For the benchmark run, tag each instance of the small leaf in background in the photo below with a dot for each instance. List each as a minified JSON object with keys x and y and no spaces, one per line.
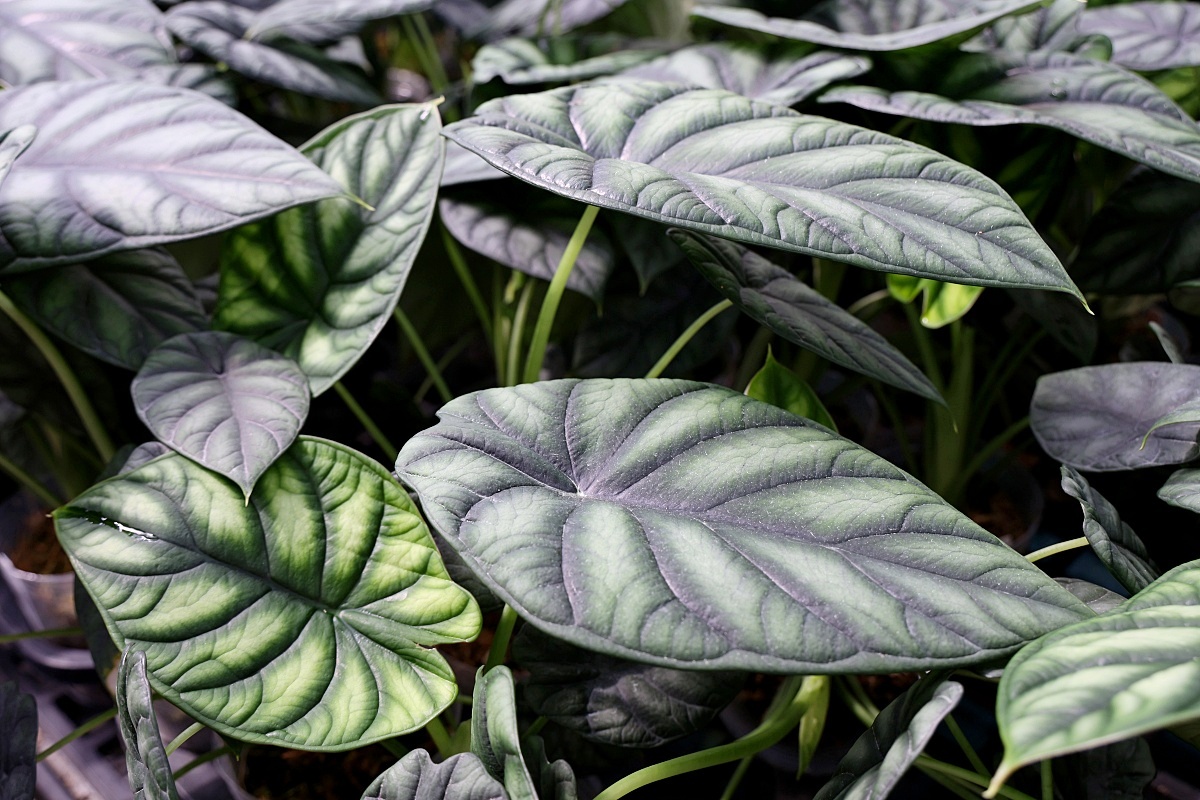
{"x":294,"y":19}
{"x":117,"y":308}
{"x":714,"y":162}
{"x":1128,"y":672}
{"x":1182,"y":489}
{"x":56,"y":205}
{"x":614,"y":701}
{"x":686,"y":524}
{"x":417,"y":777}
{"x":243,"y":628}
{"x":495,"y":738}
{"x":1117,"y":771}
{"x":143,"y":454}
{"x":1148,"y":36}
{"x":1115,"y":543}
{"x":812,"y":725}
{"x":774,"y":297}
{"x":1051,"y":27}
{"x":543,"y":17}
{"x":947,"y":302}
{"x":881,"y":756}
{"x":650,"y":251}
{"x":12,"y":144}
{"x":145,"y":755}
{"x":1096,"y":419}
{"x":904,"y":288}
{"x":779,"y":386}
{"x":319,"y":283}
{"x":18,"y":745}
{"x":520,"y":61}
{"x":1097,"y":598}
{"x":223,"y":401}
{"x":1169,"y":344}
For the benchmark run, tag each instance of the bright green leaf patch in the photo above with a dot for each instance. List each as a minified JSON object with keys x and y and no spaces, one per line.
{"x":779,"y":386}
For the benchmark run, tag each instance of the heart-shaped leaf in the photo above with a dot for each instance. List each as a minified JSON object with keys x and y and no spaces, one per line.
{"x":779,"y":386}
{"x":145,"y":756}
{"x":223,"y":401}
{"x":1115,"y":543}
{"x":873,"y":25}
{"x":1182,"y":489}
{"x":784,"y":76}
{"x":1096,"y":101}
{"x":650,"y":252}
{"x":1098,"y":419}
{"x":18,"y":715}
{"x":219,"y":30}
{"x":881,"y":756}
{"x":519,"y":61}
{"x":319,"y":283}
{"x":12,"y":144}
{"x":70,"y":40}
{"x":243,"y":628}
{"x":686,"y":525}
{"x":618,"y":702}
{"x":543,"y":17}
{"x":142,"y":454}
{"x":1148,"y":36}
{"x":417,"y":777}
{"x":56,"y":205}
{"x":117,"y":308}
{"x":1128,"y":672}
{"x":774,"y":297}
{"x":295,"y":19}
{"x":716,"y":162}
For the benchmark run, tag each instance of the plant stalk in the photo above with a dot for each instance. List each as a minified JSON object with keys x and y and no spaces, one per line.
{"x":9,"y":638}
{"x":211,"y":755}
{"x":686,"y":337}
{"x":736,"y":778}
{"x":182,"y":738}
{"x":1055,"y":549}
{"x":82,"y":730}
{"x":418,"y":346}
{"x":441,"y":738}
{"x":504,"y":629}
{"x":365,"y":420}
{"x":517,"y":334}
{"x":31,"y":483}
{"x":455,"y":254}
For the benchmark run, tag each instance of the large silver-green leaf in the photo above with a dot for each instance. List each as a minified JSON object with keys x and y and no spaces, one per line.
{"x":297,"y":19}
{"x":519,"y":61}
{"x":1114,"y":542}
{"x":1052,"y":27}
{"x":873,"y":24}
{"x":686,"y":525}
{"x":219,"y":30}
{"x":1148,"y":36}
{"x":117,"y":308}
{"x":881,"y":756}
{"x":1182,"y":489}
{"x":181,"y":163}
{"x":800,"y":314}
{"x":319,"y":283}
{"x":223,"y":401}
{"x":67,"y":40}
{"x":618,"y":702}
{"x":784,"y":76}
{"x":543,"y":17}
{"x":12,"y":144}
{"x":1099,"y":419}
{"x":1096,"y":101}
{"x":145,"y":756}
{"x":1113,"y":677}
{"x":417,"y":777}
{"x":243,"y":627}
{"x":18,"y":745}
{"x":716,"y":162}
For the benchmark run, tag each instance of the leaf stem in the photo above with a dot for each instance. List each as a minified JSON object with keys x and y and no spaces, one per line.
{"x":736,"y":778}
{"x":29,"y":482}
{"x":1055,"y":549}
{"x":545,"y":320}
{"x":66,"y":376}
{"x":517,"y":333}
{"x":504,"y":629}
{"x":537,"y":726}
{"x":211,"y":755}
{"x":459,"y":262}
{"x":365,"y":420}
{"x":182,"y":738}
{"x":964,"y":744}
{"x":394,"y":747}
{"x":925,"y":762}
{"x":441,"y":738}
{"x":82,"y":730}
{"x":9,"y":638}
{"x":686,"y":337}
{"x":418,"y":346}
{"x":1047,"y":780}
{"x":438,"y":79}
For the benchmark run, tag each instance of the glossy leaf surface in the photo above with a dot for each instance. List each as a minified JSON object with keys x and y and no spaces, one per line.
{"x":223,"y":401}
{"x":417,"y":777}
{"x":722,"y":521}
{"x":1114,"y":542}
{"x":18,"y":714}
{"x":519,"y":61}
{"x":618,"y":702}
{"x":145,"y":755}
{"x":243,"y":628}
{"x":117,"y":308}
{"x":1148,"y":36}
{"x":12,"y":144}
{"x":463,"y":166}
{"x":56,"y":203}
{"x":779,"y":386}
{"x":715,"y":162}
{"x":1097,"y":419}
{"x":319,"y":283}
{"x":294,"y":18}
{"x":1182,"y":489}
{"x":774,"y":297}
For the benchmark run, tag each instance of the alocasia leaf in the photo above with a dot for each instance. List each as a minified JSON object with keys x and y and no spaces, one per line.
{"x":1148,"y":36}
{"x":1052,"y":27}
{"x":417,"y":777}
{"x":873,"y":24}
{"x":618,"y":702}
{"x":143,"y":454}
{"x":183,"y":165}
{"x":18,"y":745}
{"x":463,"y":166}
{"x":117,"y":308}
{"x":12,"y":144}
{"x":70,"y":40}
{"x":774,"y":297}
{"x":1115,"y":543}
{"x":651,"y":253}
{"x":319,"y":283}
{"x":1118,"y":771}
{"x":1098,"y":419}
{"x":243,"y":628}
{"x":881,"y":756}
{"x":784,"y":76}
{"x":1128,"y":672}
{"x":1182,"y":489}
{"x":1096,"y":101}
{"x":219,"y":30}
{"x":1096,"y":597}
{"x":779,"y":386}
{"x":519,"y":61}
{"x":204,"y":78}
{"x":686,"y":525}
{"x":223,"y":401}
{"x":946,"y":302}
{"x":294,"y":18}
{"x":1172,"y":346}
{"x":544,"y":17}
{"x":495,"y":738}
{"x":145,"y":755}
{"x":715,"y":162}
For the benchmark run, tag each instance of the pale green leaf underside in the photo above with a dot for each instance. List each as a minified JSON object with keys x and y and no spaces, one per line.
{"x":1182,"y":489}
{"x":319,"y":283}
{"x":288,"y":17}
{"x":417,"y":777}
{"x":145,"y":756}
{"x":1148,"y":36}
{"x":1114,"y":542}
{"x":544,"y":17}
{"x":716,"y":162}
{"x":183,"y":165}
{"x":520,"y":61}
{"x":243,"y":627}
{"x":18,"y":715}
{"x":686,"y":525}
{"x":223,"y":401}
